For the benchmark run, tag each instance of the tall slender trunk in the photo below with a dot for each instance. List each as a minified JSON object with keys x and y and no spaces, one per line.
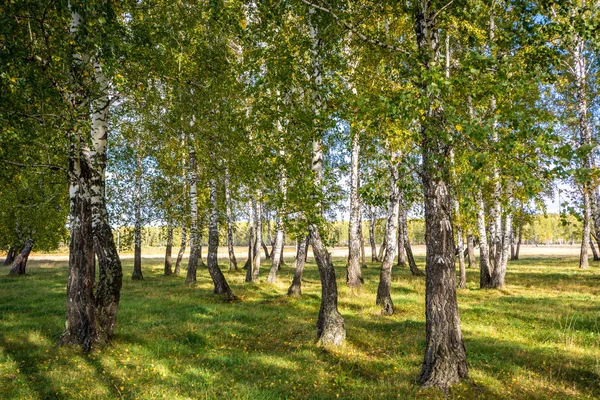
{"x":232,"y":261}
{"x":330,"y":324}
{"x":363,"y":255}
{"x":401,"y":235}
{"x":414,"y":270}
{"x":445,"y":361}
{"x":181,"y":250}
{"x":353,"y":272}
{"x":137,"y":251}
{"x":194,"y":232}
{"x":90,"y":318}
{"x":110,"y":271}
{"x":384,"y":297}
{"x":485,"y":275}
{"x":251,"y":240}
{"x":471,"y":250}
{"x":277,"y":253}
{"x":500,"y":270}
{"x":258,"y":239}
{"x":595,"y":218}
{"x":372,"y":222}
{"x":585,"y":136}
{"x":169,"y":250}
{"x":295,"y":288}
{"x":519,"y":239}
{"x":10,"y":255}
{"x":462,"y":283}
{"x":382,"y":248}
{"x":20,"y":262}
{"x":221,"y":286}
{"x":594,"y":252}
{"x":81,"y":325}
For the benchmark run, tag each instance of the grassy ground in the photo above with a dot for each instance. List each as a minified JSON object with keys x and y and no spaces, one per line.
{"x":537,"y":339}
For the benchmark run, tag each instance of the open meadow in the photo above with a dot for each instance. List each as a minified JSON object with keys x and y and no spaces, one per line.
{"x":538,"y":338}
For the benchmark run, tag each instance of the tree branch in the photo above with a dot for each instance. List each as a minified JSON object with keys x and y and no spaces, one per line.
{"x":49,"y":166}
{"x":354,"y":30}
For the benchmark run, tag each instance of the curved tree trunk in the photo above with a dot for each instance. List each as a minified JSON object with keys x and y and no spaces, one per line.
{"x":190,"y":279}
{"x":169,"y":250}
{"x":10,"y":256}
{"x":296,"y":287}
{"x":384,"y":297}
{"x":181,"y":250}
{"x":20,"y":262}
{"x":353,"y":272}
{"x":232,"y":261}
{"x":221,"y":286}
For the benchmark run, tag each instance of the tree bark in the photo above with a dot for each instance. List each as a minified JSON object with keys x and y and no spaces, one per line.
{"x":485,"y":276}
{"x":20,"y":262}
{"x":10,"y":256}
{"x":221,"y":286}
{"x":372,"y":222}
{"x":401,"y":235}
{"x":414,"y":270}
{"x":500,"y":270}
{"x":353,"y":272}
{"x":445,"y":357}
{"x":363,"y":255}
{"x":251,"y":240}
{"x":232,"y":261}
{"x":330,"y":324}
{"x":471,"y":250}
{"x":169,"y":250}
{"x":580,"y":71}
{"x":181,"y":250}
{"x":382,"y":249}
{"x":195,"y":244}
{"x":296,"y":287}
{"x":110,"y":274}
{"x":277,"y":253}
{"x":253,"y":271}
{"x":81,"y":325}
{"x":384,"y":297}
{"x":137,"y":251}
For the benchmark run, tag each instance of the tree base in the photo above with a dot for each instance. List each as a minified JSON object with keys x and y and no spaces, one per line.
{"x":333,"y":331}
{"x":295,"y":290}
{"x":388,"y":305}
{"x":137,"y":276}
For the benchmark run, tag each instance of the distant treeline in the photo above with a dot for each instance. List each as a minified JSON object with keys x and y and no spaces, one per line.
{"x":537,"y":229}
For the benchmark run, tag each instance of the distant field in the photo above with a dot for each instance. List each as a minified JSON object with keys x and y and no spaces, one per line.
{"x":241,"y":252}
{"x":539,"y":338}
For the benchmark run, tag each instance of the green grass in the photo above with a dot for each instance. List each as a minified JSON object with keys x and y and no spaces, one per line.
{"x":536,"y":339}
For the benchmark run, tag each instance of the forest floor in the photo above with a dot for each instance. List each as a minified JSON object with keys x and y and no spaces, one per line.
{"x":538,"y":338}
